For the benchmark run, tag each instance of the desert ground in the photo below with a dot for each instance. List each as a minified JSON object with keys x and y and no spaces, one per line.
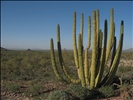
{"x":28,"y":75}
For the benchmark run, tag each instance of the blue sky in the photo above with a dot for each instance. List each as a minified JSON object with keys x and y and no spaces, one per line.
{"x":31,"y":24}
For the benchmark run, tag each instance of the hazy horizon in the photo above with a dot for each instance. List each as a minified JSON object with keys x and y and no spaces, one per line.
{"x":31,"y":24}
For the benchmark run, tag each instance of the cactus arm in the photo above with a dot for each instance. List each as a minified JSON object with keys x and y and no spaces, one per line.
{"x":89,"y":32}
{"x":114,"y":52}
{"x":80,"y":54}
{"x":61,"y":58}
{"x":97,"y":23}
{"x":97,"y":41}
{"x":53,"y":60}
{"x":116,"y":61}
{"x":111,"y":37}
{"x":59,"y":45}
{"x":82,"y":27}
{"x":114,"y":48}
{"x":74,"y":42}
{"x":94,"y":50}
{"x":103,"y":56}
{"x":86,"y":67}
{"x":100,"y":37}
{"x":75,"y":51}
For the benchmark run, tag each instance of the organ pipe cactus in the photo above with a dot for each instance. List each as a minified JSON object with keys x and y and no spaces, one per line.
{"x":91,"y":74}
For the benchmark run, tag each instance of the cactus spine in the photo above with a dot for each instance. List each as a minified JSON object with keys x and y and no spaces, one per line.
{"x":91,"y":76}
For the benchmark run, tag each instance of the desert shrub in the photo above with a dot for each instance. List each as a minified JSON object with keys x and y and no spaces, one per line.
{"x":34,"y":89}
{"x":127,"y":55}
{"x":59,"y":95}
{"x":81,"y":93}
{"x":107,"y":91}
{"x":42,"y":96}
{"x":126,"y":73}
{"x":12,"y":87}
{"x":124,"y":69}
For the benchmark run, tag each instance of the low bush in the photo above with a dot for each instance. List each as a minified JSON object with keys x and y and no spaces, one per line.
{"x":81,"y":93}
{"x":11,"y":87}
{"x":59,"y":95}
{"x":107,"y":91}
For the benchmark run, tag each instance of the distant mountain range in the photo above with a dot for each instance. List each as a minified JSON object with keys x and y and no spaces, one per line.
{"x":129,"y":50}
{"x":3,"y":48}
{"x":125,"y":50}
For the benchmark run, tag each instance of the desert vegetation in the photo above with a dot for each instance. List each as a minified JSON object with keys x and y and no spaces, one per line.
{"x":29,"y":75}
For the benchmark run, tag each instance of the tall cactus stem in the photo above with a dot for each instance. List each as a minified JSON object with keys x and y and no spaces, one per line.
{"x":75,"y":51}
{"x":53,"y":59}
{"x":100,"y":37}
{"x":111,"y":37}
{"x":80,"y":54}
{"x":113,"y":52}
{"x":89,"y":32}
{"x":82,"y":27}
{"x":61,"y":58}
{"x":97,"y":23}
{"x":103,"y":56}
{"x":75,"y":42}
{"x":94,"y":50}
{"x":86,"y":67}
{"x":116,"y":61}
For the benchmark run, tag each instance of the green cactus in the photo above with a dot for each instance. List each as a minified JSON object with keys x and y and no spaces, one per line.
{"x":86,"y":67}
{"x":91,"y":76}
{"x":80,"y":56}
{"x":53,"y":60}
{"x":89,"y":31}
{"x":94,"y":52}
{"x":75,"y":51}
{"x":103,"y":56}
{"x":61,"y":58}
{"x":116,"y":60}
{"x":82,"y":28}
{"x":111,"y":37}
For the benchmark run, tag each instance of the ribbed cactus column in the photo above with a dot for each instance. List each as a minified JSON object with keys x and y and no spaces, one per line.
{"x":74,"y":41}
{"x":113,"y":52}
{"x":103,"y":57}
{"x":61,"y":58}
{"x":94,"y":52}
{"x":80,"y":56}
{"x":82,"y":27}
{"x":111,"y":37}
{"x":115,"y":63}
{"x":89,"y":32}
{"x":86,"y":65}
{"x":97,"y":24}
{"x":53,"y":60}
{"x":75,"y":45}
